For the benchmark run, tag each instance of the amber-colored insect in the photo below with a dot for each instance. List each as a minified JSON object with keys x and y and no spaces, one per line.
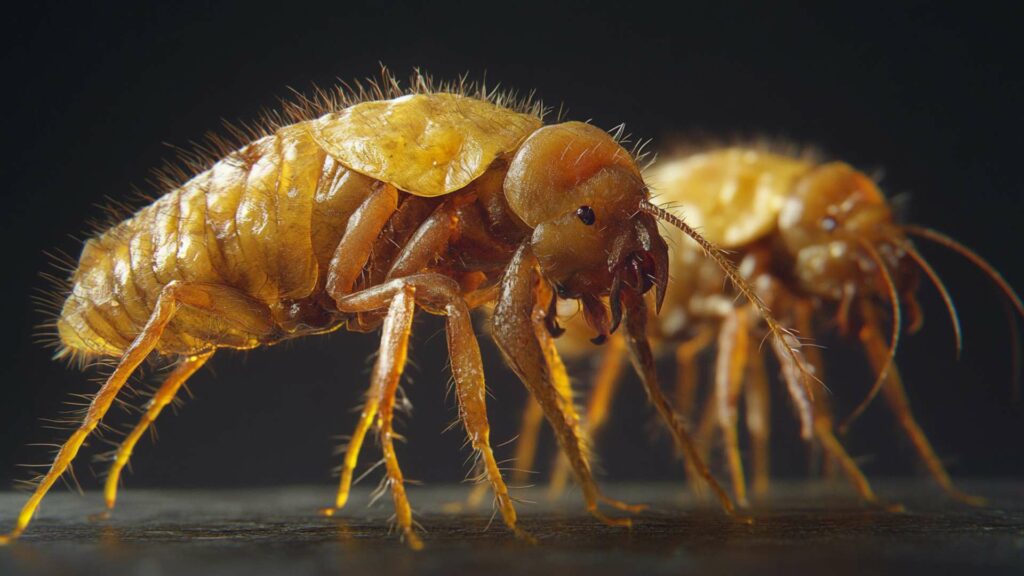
{"x":818,"y":242}
{"x":355,"y":213}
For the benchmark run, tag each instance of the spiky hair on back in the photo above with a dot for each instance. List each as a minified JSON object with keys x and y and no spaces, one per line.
{"x":302,"y":106}
{"x":200,"y":155}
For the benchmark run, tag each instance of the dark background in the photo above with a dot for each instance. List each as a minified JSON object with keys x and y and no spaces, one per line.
{"x":929,"y":94}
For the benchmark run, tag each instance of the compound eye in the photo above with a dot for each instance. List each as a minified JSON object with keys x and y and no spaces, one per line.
{"x":586,"y":215}
{"x":828,"y":223}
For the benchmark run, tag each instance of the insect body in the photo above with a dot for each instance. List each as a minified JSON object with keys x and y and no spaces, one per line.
{"x":818,"y":241}
{"x":356,"y":217}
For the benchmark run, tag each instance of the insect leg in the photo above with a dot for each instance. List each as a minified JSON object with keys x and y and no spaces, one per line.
{"x":803,"y":314}
{"x":163,"y":396}
{"x":896,"y":396}
{"x":394,"y":347}
{"x":514,"y":332}
{"x":704,"y":439}
{"x":687,"y":380}
{"x":822,"y":427}
{"x":643,"y":363}
{"x":380,"y":400}
{"x":687,"y":373}
{"x":468,"y":371}
{"x":439,"y":294}
{"x":526,"y":445}
{"x":733,"y":340}
{"x":758,"y":399}
{"x":356,"y":244}
{"x":171,"y":297}
{"x":429,"y":240}
{"x":606,"y":381}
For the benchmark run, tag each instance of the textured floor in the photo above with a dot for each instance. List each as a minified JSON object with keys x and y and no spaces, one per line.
{"x":803,"y":529}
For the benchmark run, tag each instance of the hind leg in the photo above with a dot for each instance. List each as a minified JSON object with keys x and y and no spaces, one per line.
{"x":163,"y":396}
{"x":171,"y":298}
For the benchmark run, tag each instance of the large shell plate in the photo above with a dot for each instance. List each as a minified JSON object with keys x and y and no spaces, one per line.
{"x":424,"y":144}
{"x":732,"y":196}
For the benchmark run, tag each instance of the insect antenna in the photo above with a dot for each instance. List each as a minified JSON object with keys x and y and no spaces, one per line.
{"x":992,"y":273}
{"x":783,"y":336}
{"x":941,"y":287}
{"x":894,"y":340}
{"x":988,"y":269}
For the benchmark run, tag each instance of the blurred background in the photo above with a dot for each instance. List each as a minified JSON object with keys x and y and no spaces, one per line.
{"x":928,"y":97}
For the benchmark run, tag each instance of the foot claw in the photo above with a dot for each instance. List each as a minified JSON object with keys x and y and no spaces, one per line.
{"x":6,"y":539}
{"x":99,"y":516}
{"x":891,"y":507}
{"x":413,"y":541}
{"x":610,"y":521}
{"x":969,"y":499}
{"x":620,"y":505}
{"x":524,"y":535}
{"x":328,"y":512}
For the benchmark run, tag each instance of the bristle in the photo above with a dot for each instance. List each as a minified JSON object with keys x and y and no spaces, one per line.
{"x":698,"y":143}
{"x":300,"y":107}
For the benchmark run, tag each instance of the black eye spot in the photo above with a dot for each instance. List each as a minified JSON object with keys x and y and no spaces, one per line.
{"x":586,"y":215}
{"x":828,"y":223}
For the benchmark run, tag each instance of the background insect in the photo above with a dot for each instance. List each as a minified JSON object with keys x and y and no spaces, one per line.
{"x":818,"y":242}
{"x":353,"y":212}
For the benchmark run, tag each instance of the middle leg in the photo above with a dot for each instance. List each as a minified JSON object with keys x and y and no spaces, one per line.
{"x":733,"y":340}
{"x":438,"y":294}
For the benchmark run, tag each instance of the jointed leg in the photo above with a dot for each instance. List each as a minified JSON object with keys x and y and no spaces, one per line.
{"x":362,"y":230}
{"x":686,"y":370}
{"x":163,"y":396}
{"x":514,"y":332}
{"x":605,"y":384}
{"x":733,"y":341}
{"x":468,"y":372}
{"x":896,"y":397}
{"x":438,"y":295}
{"x":526,"y":445}
{"x":394,"y":348}
{"x":758,"y":401}
{"x":643,"y":363}
{"x":803,"y":317}
{"x":380,"y":402}
{"x":822,"y":429}
{"x":172,"y":296}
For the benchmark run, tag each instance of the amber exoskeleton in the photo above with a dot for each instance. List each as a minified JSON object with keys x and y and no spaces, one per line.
{"x":819,"y":243}
{"x":354,"y":212}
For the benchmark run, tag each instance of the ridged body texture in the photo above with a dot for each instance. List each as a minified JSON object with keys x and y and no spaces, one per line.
{"x":248,"y":222}
{"x":265,"y":220}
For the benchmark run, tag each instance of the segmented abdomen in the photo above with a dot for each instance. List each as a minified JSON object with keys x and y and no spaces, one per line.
{"x":264,"y":220}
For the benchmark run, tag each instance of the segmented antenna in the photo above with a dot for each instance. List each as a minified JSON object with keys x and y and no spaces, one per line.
{"x":783,"y":336}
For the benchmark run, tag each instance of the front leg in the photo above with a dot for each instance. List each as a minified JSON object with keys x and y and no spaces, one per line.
{"x":643,"y":363}
{"x":513,"y":329}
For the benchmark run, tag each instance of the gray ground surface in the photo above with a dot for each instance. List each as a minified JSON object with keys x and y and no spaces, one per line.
{"x":803,"y":528}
